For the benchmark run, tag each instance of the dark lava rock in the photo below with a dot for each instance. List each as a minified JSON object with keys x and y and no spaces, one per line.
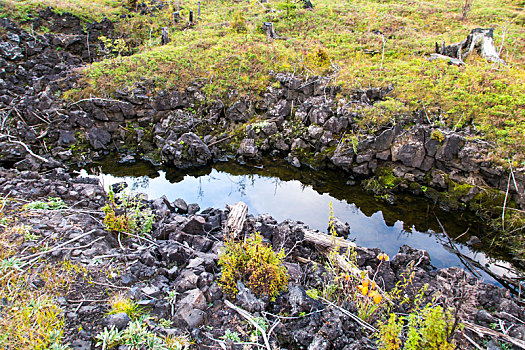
{"x":406,"y":255}
{"x":247,"y":300}
{"x":98,"y":138}
{"x":248,"y":148}
{"x":188,"y":317}
{"x":181,"y":206}
{"x":189,"y":150}
{"x":193,"y":208}
{"x":119,"y":187}
{"x":341,"y":228}
{"x":195,"y":226}
{"x":473,"y":241}
{"x":119,"y":321}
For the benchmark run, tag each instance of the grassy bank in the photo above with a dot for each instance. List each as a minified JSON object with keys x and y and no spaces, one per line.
{"x":227,"y":49}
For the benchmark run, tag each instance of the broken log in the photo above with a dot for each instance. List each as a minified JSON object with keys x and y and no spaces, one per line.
{"x":480,"y":330}
{"x":450,"y":60}
{"x":236,"y":219}
{"x":326,"y":241}
{"x":479,"y":39}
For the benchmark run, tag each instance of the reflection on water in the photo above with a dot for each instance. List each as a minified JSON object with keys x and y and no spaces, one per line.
{"x":305,"y":195}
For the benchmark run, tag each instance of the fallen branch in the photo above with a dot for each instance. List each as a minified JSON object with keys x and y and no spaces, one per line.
{"x":326,"y":241}
{"x":221,"y":140}
{"x":492,"y":333}
{"x":450,"y":60}
{"x":363,"y":324}
{"x":91,"y":99}
{"x":9,"y":137}
{"x":58,"y":247}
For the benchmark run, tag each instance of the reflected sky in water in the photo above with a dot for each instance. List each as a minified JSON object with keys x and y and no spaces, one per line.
{"x":293,"y":200}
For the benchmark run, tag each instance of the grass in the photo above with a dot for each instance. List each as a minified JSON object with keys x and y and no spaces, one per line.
{"x":227,"y":49}
{"x":31,"y":318}
{"x":120,"y":303}
{"x":87,"y":10}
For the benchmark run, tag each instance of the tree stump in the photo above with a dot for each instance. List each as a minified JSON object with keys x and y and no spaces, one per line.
{"x":270,"y":31}
{"x":236,"y":219}
{"x":165,"y":36}
{"x":307,"y":4}
{"x":480,"y":39}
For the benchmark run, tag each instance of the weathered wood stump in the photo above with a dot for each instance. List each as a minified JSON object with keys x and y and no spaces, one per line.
{"x":270,"y":31}
{"x":480,"y":39}
{"x":165,"y":36}
{"x":236,"y":219}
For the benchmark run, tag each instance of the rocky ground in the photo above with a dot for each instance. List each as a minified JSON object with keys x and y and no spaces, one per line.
{"x":302,"y":120}
{"x":181,"y":255}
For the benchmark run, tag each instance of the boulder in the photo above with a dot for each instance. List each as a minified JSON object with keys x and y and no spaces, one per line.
{"x":248,"y":148}
{"x":189,"y":150}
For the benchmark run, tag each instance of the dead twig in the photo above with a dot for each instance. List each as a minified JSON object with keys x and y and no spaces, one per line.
{"x":9,"y":139}
{"x":58,"y":247}
{"x":362,"y":323}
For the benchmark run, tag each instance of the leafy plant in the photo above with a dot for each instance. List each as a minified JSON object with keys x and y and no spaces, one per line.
{"x":120,"y":303}
{"x":253,"y":263}
{"x":126,"y":214}
{"x":137,"y":337}
{"x":231,"y":336}
{"x":53,"y":203}
{"x":108,"y":338}
{"x":428,"y":328}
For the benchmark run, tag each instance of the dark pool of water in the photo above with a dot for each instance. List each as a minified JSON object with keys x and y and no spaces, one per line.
{"x":305,"y":195}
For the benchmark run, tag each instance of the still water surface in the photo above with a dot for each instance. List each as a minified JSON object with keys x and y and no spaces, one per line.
{"x":305,"y":195}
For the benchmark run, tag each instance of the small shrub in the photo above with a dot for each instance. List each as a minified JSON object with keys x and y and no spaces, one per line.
{"x":425,"y":329}
{"x":239,"y":24}
{"x":437,"y":135}
{"x":126,"y":215}
{"x":120,"y":303}
{"x":255,"y":264}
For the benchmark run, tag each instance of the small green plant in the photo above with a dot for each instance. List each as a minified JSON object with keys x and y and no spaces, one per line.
{"x":137,"y":337}
{"x":108,"y":338}
{"x":428,"y":328}
{"x":437,"y":135}
{"x":113,"y":46}
{"x":172,"y":299}
{"x":11,"y":263}
{"x":231,"y":336}
{"x":120,"y":303}
{"x":125,"y":214}
{"x":52,"y":203}
{"x":254,"y":264}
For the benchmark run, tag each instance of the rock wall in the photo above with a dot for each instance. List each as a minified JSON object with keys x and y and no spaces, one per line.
{"x":304,"y":121}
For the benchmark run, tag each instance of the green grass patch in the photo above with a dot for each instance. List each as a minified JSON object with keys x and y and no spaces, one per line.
{"x":227,"y":49}
{"x":87,"y":10}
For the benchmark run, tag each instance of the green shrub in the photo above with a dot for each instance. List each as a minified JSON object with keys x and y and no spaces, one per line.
{"x":126,"y":214}
{"x":255,"y":264}
{"x":425,"y":329}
